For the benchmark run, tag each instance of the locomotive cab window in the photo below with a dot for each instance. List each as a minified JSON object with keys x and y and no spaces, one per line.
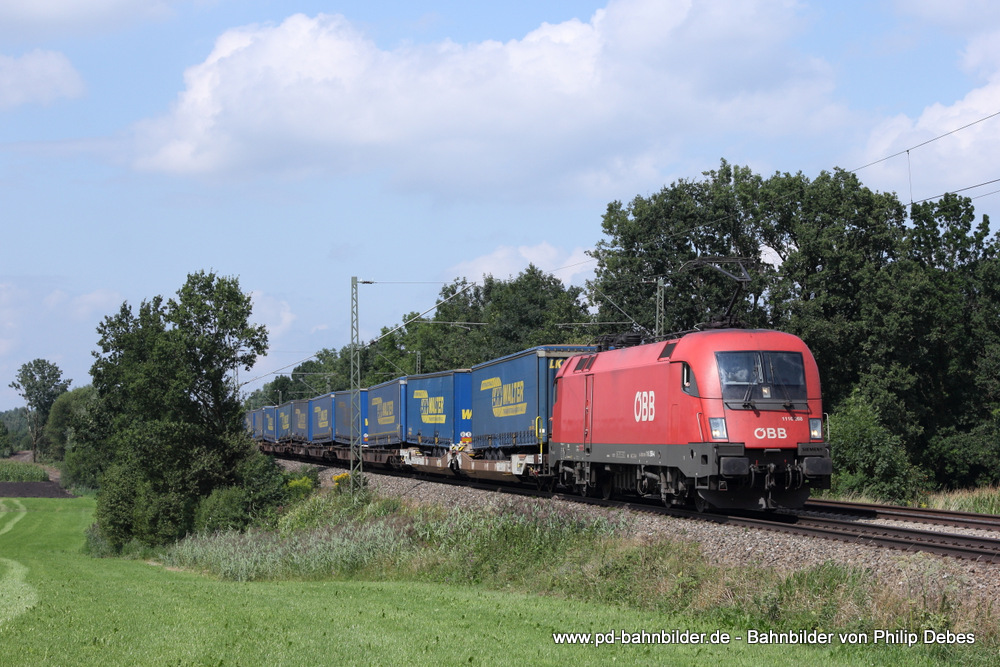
{"x":688,"y":383}
{"x":766,"y":379}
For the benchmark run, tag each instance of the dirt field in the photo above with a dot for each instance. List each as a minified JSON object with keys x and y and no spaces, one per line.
{"x":32,"y":490}
{"x":50,"y":489}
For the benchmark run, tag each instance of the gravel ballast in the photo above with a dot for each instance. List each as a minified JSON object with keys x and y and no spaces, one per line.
{"x":911,"y":574}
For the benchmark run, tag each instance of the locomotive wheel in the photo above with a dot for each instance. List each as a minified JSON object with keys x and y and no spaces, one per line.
{"x":702,"y":505}
{"x":607,"y":486}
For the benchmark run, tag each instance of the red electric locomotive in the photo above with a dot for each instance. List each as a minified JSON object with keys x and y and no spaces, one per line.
{"x":728,"y":418}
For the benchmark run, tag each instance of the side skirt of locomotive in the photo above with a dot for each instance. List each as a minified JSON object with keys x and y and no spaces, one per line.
{"x":722,"y":475}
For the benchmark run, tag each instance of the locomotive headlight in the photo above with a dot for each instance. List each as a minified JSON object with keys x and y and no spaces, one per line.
{"x":717,"y":425}
{"x":816,"y":429}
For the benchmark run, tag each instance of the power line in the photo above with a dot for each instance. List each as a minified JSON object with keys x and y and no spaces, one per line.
{"x":971,"y":187}
{"x":924,"y":143}
{"x":372,"y":282}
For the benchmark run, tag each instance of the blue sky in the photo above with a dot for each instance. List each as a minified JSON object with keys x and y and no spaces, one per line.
{"x":297,"y":144}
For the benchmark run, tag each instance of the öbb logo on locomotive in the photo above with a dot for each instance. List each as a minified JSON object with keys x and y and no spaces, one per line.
{"x":726,"y":418}
{"x":645,"y":408}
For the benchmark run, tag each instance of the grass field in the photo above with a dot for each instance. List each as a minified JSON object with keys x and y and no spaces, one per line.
{"x":60,"y":606}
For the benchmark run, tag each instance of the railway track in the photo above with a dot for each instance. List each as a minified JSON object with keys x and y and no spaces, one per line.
{"x":852,"y":523}
{"x":852,"y":530}
{"x":911,"y":514}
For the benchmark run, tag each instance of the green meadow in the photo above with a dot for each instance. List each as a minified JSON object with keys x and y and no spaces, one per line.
{"x":61,"y":606}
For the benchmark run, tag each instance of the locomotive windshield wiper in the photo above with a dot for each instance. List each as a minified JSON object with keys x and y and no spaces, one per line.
{"x":788,"y":405}
{"x":747,"y":401}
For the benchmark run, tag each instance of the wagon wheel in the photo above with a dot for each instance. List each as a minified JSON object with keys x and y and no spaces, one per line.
{"x":546,"y":484}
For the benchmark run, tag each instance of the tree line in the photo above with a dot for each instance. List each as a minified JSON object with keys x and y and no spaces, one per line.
{"x":898,"y":304}
{"x":474,"y":322}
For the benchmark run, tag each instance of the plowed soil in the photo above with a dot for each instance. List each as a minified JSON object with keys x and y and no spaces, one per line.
{"x":50,"y":489}
{"x":33,"y":490}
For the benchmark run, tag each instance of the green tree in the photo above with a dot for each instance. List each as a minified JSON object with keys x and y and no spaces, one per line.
{"x":89,"y":447}
{"x":660,"y":235}
{"x":58,"y":427}
{"x":6,"y":447}
{"x":16,"y":421}
{"x":165,"y":380}
{"x":534,"y":308}
{"x":835,"y":238}
{"x":931,"y":338}
{"x":39,"y":382}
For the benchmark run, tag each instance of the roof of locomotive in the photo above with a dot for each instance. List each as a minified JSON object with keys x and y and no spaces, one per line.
{"x":691,"y":346}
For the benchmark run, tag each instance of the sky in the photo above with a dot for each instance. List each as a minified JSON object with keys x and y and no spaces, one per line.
{"x":295,"y":144}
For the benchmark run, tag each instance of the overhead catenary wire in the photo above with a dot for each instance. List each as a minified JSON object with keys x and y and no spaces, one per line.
{"x":372,"y":342}
{"x":924,"y":143}
{"x":909,"y":169}
{"x":971,"y":187}
{"x":905,"y":151}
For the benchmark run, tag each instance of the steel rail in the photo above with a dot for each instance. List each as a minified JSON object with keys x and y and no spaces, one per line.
{"x":976,"y":548}
{"x":912,"y":514}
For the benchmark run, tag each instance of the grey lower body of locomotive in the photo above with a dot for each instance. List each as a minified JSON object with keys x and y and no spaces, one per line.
{"x":722,"y":475}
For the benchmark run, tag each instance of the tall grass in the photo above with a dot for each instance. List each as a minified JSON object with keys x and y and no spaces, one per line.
{"x":18,"y":471}
{"x":540,"y":547}
{"x":985,"y":500}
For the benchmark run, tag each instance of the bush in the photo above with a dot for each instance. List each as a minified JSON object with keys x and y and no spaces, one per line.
{"x":962,"y":460}
{"x":867,"y":458}
{"x":223,"y":509}
{"x":161,"y":517}
{"x":262,"y":482}
{"x":342,"y":482}
{"x":115,"y":505}
{"x":299,"y":488}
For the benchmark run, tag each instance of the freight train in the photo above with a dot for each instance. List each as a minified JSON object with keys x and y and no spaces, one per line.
{"x":726,"y":419}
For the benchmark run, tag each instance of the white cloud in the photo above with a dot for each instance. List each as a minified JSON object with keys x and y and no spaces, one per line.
{"x":572,"y":267}
{"x":949,"y":163}
{"x":43,"y":317}
{"x":570,"y":106}
{"x":933,"y":151}
{"x":273,"y":313}
{"x":38,"y":77}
